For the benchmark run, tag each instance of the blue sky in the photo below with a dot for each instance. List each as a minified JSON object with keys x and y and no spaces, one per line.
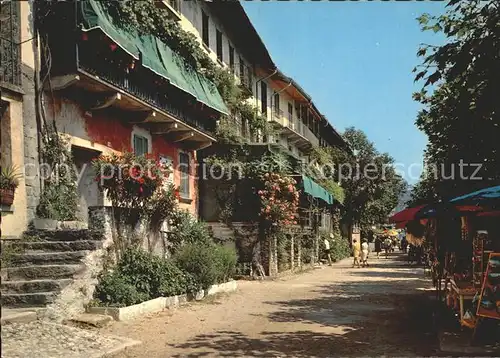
{"x":355,"y":60}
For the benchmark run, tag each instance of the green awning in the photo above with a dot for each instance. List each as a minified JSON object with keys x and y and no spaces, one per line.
{"x":315,"y":190}
{"x":156,"y":56}
{"x":96,"y":17}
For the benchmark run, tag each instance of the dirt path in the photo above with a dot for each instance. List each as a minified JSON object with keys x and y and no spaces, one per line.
{"x":332,"y":311}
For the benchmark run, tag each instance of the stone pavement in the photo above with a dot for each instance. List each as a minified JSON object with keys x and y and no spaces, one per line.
{"x":48,"y":340}
{"x":333,"y":311}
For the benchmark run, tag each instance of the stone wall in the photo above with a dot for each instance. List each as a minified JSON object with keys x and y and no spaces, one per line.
{"x":31,"y":148}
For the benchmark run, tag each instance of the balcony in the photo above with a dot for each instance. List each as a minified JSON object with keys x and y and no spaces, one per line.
{"x":10,"y":52}
{"x":297,"y":132}
{"x":138,"y":97}
{"x":172,"y":6}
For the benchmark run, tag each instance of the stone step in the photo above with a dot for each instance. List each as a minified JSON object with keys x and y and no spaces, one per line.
{"x":34,"y":286}
{"x":19,"y":315}
{"x":54,"y":246}
{"x":38,"y":299}
{"x":48,"y":258}
{"x":91,"y":319}
{"x":63,"y":235}
{"x":43,"y":271}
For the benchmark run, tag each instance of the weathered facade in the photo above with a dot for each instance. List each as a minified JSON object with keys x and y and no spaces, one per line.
{"x":18,"y":123}
{"x":228,"y":36}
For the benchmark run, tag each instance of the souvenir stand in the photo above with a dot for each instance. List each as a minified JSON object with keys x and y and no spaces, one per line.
{"x":466,"y":264}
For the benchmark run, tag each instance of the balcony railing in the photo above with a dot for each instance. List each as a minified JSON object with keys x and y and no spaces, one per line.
{"x":174,"y":4}
{"x":142,"y":84}
{"x":10,"y":52}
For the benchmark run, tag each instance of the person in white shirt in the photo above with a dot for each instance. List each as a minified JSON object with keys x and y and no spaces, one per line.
{"x":364,"y":253}
{"x":327,"y":251}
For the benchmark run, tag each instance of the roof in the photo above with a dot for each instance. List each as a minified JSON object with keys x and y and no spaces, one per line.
{"x":235,"y":20}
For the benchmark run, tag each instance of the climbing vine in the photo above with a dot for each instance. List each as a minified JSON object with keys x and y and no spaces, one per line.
{"x":59,"y":197}
{"x":147,"y":18}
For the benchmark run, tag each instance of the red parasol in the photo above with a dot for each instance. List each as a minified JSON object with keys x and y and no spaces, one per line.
{"x":489,"y":213}
{"x":406,"y":214}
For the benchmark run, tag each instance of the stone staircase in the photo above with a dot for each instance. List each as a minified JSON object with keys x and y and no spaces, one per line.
{"x":47,"y":262}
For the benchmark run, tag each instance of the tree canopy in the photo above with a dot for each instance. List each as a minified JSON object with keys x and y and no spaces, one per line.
{"x":460,"y":94}
{"x":372,"y":186}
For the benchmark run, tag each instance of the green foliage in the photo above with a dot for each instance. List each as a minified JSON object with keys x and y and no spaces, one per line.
{"x":460,"y":91}
{"x":59,"y":198}
{"x":226,"y":260}
{"x":141,"y":276}
{"x":115,"y":290}
{"x":147,"y":18}
{"x":339,"y":246}
{"x":187,"y":230}
{"x":209,"y":264}
{"x":333,"y":188}
{"x":9,"y":177}
{"x":372,"y":186}
{"x":128,"y":179}
{"x":226,"y":132}
{"x":161,"y":205}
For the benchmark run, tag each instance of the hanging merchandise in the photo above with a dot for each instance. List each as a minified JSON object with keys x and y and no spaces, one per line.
{"x":465,"y":227}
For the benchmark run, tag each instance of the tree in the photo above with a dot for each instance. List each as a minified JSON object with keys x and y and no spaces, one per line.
{"x":372,"y":186}
{"x":461,"y":114}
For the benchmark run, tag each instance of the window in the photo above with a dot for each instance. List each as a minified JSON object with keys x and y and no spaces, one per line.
{"x":218,"y":39}
{"x":242,"y":69}
{"x":184,"y":174}
{"x":167,"y":161}
{"x":205,"y":29}
{"x":231,"y":58}
{"x":290,"y":112}
{"x":263,"y":97}
{"x":277,"y":103}
{"x":140,"y":145}
{"x":10,"y":36}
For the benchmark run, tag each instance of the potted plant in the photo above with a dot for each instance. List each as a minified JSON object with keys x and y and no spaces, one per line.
{"x":9,"y":181}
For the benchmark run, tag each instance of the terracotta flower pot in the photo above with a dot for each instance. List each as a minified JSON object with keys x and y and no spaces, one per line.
{"x":7,"y":196}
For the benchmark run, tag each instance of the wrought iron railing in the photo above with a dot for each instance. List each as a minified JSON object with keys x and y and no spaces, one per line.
{"x":10,"y":35}
{"x":141,"y":84}
{"x":174,"y":4}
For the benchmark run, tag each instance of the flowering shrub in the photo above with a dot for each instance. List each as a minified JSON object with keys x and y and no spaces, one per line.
{"x":129,"y":179}
{"x":280,"y":200}
{"x":162,"y":204}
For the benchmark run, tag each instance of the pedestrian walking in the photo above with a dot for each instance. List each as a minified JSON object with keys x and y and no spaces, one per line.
{"x":355,"y":253}
{"x":378,"y":245}
{"x":387,"y":246}
{"x":364,"y":254}
{"x":327,"y":251}
{"x":404,"y":245}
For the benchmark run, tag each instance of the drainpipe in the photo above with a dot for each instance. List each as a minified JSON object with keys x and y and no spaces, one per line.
{"x":278,"y":92}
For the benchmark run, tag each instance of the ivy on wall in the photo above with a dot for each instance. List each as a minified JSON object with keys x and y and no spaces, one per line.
{"x":147,"y":18}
